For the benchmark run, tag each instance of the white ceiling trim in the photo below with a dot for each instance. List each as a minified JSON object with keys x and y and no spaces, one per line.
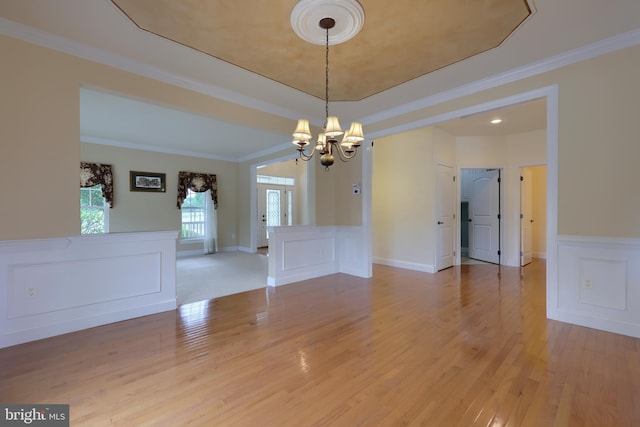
{"x":475,"y":109}
{"x":154,"y":148}
{"x":188,"y":153}
{"x":62,"y":44}
{"x":65,"y":45}
{"x":602,"y":47}
{"x":266,"y":152}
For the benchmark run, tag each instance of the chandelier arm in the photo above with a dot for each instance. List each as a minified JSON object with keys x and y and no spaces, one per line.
{"x":342,"y":154}
{"x":306,"y":157}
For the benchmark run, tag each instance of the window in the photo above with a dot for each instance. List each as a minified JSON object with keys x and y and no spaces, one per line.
{"x":193,"y":215}
{"x":94,"y":211}
{"x":280,"y":180}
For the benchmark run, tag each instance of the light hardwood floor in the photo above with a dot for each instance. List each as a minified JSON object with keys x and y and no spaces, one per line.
{"x":468,"y":346}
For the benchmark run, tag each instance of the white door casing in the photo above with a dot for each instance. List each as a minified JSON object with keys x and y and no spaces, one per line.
{"x":445,"y":217}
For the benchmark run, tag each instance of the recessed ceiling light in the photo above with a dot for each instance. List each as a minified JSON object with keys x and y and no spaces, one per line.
{"x":496,"y":121}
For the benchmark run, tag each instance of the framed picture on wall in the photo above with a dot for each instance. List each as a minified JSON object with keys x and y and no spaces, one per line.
{"x":147,"y":181}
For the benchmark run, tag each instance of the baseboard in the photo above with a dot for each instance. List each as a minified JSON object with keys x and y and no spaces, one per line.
{"x":185,"y":254}
{"x":608,"y":325}
{"x":427,"y":268}
{"x":299,"y":276}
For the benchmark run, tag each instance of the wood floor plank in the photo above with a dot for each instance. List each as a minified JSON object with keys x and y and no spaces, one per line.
{"x":468,"y":346}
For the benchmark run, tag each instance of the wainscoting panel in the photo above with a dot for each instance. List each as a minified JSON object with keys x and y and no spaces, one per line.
{"x":603,"y":283}
{"x":303,"y":252}
{"x":55,"y":286}
{"x":599,"y":283}
{"x":308,"y":253}
{"x":353,"y":259}
{"x":46,"y":287}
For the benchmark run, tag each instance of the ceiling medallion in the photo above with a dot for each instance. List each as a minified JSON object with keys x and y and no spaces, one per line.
{"x":347,"y":14}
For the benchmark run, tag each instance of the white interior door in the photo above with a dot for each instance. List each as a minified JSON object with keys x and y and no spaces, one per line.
{"x":484,"y":216}
{"x":526,"y":216}
{"x":445,"y":217}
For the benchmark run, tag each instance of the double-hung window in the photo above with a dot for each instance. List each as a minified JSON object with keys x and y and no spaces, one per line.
{"x":193,"y":215}
{"x":94,"y":211}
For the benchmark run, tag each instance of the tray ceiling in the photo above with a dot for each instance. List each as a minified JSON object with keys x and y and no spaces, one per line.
{"x":400,"y":41}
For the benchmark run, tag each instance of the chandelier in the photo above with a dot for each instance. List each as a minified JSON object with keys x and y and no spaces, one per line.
{"x":332,"y":140}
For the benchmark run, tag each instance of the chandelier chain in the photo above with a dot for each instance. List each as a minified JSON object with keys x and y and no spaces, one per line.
{"x":326,"y":80}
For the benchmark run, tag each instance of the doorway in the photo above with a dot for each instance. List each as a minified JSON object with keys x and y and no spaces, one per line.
{"x":533,"y":206}
{"x":275,"y":208}
{"x":280,"y":198}
{"x":480,"y":214}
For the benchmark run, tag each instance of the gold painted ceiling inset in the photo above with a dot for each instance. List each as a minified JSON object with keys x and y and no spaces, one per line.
{"x":400,"y":40}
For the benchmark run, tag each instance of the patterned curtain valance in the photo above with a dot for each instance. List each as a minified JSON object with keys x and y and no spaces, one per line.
{"x":198,"y":182}
{"x":95,"y":173}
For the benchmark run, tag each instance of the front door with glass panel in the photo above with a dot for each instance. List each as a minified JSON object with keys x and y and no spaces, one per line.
{"x":272,"y":210}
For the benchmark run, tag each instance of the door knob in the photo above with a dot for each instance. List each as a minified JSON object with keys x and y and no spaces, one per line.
{"x":469,"y":219}
{"x":440,"y":222}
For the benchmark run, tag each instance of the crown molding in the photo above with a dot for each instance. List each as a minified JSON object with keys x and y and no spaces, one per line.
{"x":601,"y":47}
{"x":266,"y":152}
{"x":154,"y":148}
{"x":65,"y":45}
{"x":475,"y":109}
{"x":199,"y":154}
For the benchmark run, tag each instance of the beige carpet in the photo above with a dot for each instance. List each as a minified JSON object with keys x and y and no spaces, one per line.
{"x":211,"y":276}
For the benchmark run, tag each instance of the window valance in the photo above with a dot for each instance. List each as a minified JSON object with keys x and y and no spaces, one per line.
{"x":198,"y":182}
{"x":96,"y":173}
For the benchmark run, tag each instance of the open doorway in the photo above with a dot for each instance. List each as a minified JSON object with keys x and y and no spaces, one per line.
{"x":533,"y":218}
{"x":276,"y":201}
{"x":281,"y":198}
